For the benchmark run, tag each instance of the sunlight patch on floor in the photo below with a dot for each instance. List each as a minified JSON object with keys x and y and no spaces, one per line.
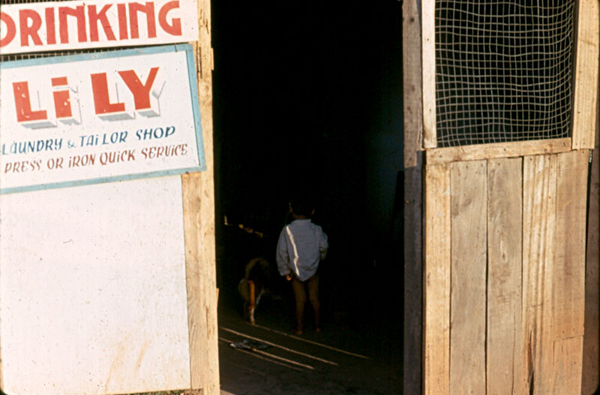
{"x":279,"y":346}
{"x":311,"y":342}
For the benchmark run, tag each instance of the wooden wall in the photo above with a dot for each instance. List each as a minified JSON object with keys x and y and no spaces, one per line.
{"x":505,"y":275}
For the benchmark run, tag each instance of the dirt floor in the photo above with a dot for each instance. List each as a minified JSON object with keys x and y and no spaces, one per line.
{"x":342,"y":359}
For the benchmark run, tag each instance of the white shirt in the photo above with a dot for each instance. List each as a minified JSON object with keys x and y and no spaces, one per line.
{"x":300,"y":248}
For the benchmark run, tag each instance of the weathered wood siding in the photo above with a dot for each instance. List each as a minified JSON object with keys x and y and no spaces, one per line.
{"x":505,"y":275}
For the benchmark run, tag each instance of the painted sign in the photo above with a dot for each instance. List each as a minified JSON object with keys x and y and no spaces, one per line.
{"x":100,"y":117}
{"x":53,"y":26}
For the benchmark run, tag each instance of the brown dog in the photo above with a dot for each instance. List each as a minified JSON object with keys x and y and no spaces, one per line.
{"x":252,"y":286}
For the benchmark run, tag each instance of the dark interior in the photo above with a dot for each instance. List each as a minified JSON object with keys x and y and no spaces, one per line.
{"x":308,"y":99}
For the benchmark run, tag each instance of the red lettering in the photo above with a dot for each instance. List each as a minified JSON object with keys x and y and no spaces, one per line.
{"x":94,"y":18}
{"x":175,"y":27}
{"x":27,"y":30}
{"x":23,"y":104}
{"x":141,"y":92}
{"x":102,"y":102}
{"x":50,"y":26}
{"x":148,"y":9}
{"x":62,"y":99}
{"x":132,"y":19}
{"x":122,"y":11}
{"x":60,"y":81}
{"x":11,"y":29}
{"x":79,"y":13}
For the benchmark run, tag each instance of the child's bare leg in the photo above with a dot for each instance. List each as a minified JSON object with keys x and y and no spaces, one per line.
{"x":300,"y":295}
{"x":252,"y":304}
{"x":313,"y":295}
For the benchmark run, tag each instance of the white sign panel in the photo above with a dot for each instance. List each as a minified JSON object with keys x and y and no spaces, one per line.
{"x":98,"y":117}
{"x":93,"y":290}
{"x":54,"y":26}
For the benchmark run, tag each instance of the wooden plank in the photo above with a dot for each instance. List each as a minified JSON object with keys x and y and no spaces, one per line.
{"x":429,"y":112}
{"x":199,"y":208}
{"x":437,"y":281}
{"x":413,"y":104}
{"x":468,"y":277}
{"x":413,"y":279}
{"x":566,"y":374}
{"x":504,"y":336}
{"x":539,"y":220}
{"x":568,"y":270}
{"x":591,"y":354}
{"x":202,"y":329}
{"x":499,"y":150}
{"x":566,"y":301}
{"x":586,"y":75}
{"x":413,"y":198}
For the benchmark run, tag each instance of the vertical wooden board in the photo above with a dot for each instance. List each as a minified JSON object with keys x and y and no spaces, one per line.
{"x":539,"y":219}
{"x":437,"y":280}
{"x":586,"y":75}
{"x":413,"y":198}
{"x":504,"y":328}
{"x":429,"y":112}
{"x":199,"y":210}
{"x":566,"y":375}
{"x":413,"y":280}
{"x":566,"y":302}
{"x":468,"y":277}
{"x":412,"y":72}
{"x":199,"y":279}
{"x":591,"y":347}
{"x":568,"y":271}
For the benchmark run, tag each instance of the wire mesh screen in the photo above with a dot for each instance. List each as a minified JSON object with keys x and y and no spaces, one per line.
{"x":503,"y":70}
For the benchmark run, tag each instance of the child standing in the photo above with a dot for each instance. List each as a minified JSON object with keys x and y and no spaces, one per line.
{"x":301,"y":246}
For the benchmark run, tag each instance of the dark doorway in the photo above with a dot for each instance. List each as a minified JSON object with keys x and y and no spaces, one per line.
{"x":308,"y":98}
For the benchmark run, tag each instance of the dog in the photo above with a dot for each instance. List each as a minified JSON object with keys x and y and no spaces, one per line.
{"x":252,"y":286}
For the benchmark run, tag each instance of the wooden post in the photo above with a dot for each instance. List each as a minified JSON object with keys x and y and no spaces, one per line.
{"x":429,"y":108}
{"x":413,"y":195}
{"x":591,"y":347}
{"x":585,"y":135}
{"x":586,"y":75}
{"x":199,"y":213}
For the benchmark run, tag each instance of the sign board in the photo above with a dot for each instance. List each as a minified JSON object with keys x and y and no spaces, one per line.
{"x":59,"y":26}
{"x":93,"y":289}
{"x":100,"y":117}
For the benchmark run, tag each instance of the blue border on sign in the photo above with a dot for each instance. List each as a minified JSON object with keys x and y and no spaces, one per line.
{"x":193,"y":81}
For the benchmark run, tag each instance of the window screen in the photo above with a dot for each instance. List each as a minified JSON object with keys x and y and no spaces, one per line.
{"x":503,"y":70}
